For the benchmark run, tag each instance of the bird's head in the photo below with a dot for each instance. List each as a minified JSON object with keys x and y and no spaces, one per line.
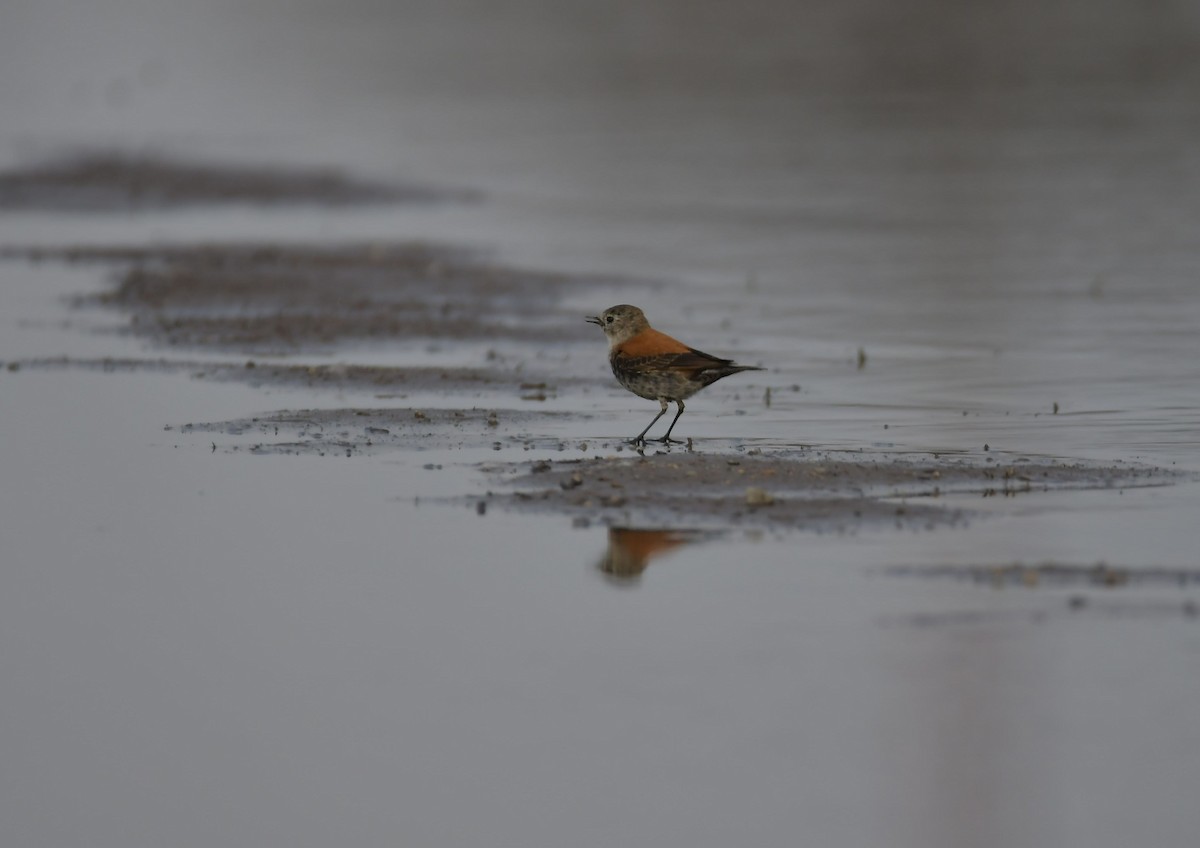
{"x":620,"y":323}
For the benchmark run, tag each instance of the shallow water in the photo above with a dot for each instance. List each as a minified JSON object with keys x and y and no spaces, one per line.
{"x":203,"y":646}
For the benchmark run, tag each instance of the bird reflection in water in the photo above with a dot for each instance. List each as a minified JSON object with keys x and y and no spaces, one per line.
{"x":630,"y":551}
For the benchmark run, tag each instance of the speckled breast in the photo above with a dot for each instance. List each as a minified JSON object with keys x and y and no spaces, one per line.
{"x":653,"y":384}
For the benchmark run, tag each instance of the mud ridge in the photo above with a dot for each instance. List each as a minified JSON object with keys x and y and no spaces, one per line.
{"x":1055,"y":575}
{"x":269,"y":299}
{"x":788,"y":490}
{"x":107,"y":181}
{"x":382,"y":380}
{"x":350,"y":432}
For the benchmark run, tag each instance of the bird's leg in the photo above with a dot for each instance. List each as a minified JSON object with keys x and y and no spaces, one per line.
{"x":667,"y":438}
{"x":640,"y":438}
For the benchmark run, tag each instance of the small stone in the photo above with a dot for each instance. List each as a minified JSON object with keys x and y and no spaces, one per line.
{"x":758,"y":497}
{"x":575,"y":480}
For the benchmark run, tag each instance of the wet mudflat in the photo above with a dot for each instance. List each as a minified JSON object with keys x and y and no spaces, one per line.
{"x":272,"y":299}
{"x":319,"y":521}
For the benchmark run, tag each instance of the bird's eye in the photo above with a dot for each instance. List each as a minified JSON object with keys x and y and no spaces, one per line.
{"x":608,"y":320}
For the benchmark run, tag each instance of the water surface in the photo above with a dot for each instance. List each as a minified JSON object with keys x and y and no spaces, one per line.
{"x":998,"y":206}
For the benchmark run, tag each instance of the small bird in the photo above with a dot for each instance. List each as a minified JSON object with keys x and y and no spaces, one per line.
{"x":655,"y":366}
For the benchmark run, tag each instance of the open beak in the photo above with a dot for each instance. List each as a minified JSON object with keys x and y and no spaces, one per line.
{"x":594,"y":319}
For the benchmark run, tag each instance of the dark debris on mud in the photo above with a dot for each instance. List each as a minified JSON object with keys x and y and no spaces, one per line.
{"x":1045,"y":592}
{"x":783,"y":490}
{"x":1058,"y":590}
{"x":111,"y":181}
{"x":1055,"y":575}
{"x":351,"y":432}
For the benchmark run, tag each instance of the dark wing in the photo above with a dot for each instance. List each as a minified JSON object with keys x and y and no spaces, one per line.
{"x":701,"y":361}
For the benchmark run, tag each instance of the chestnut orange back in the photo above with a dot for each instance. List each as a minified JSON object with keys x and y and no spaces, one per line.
{"x":650,"y":342}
